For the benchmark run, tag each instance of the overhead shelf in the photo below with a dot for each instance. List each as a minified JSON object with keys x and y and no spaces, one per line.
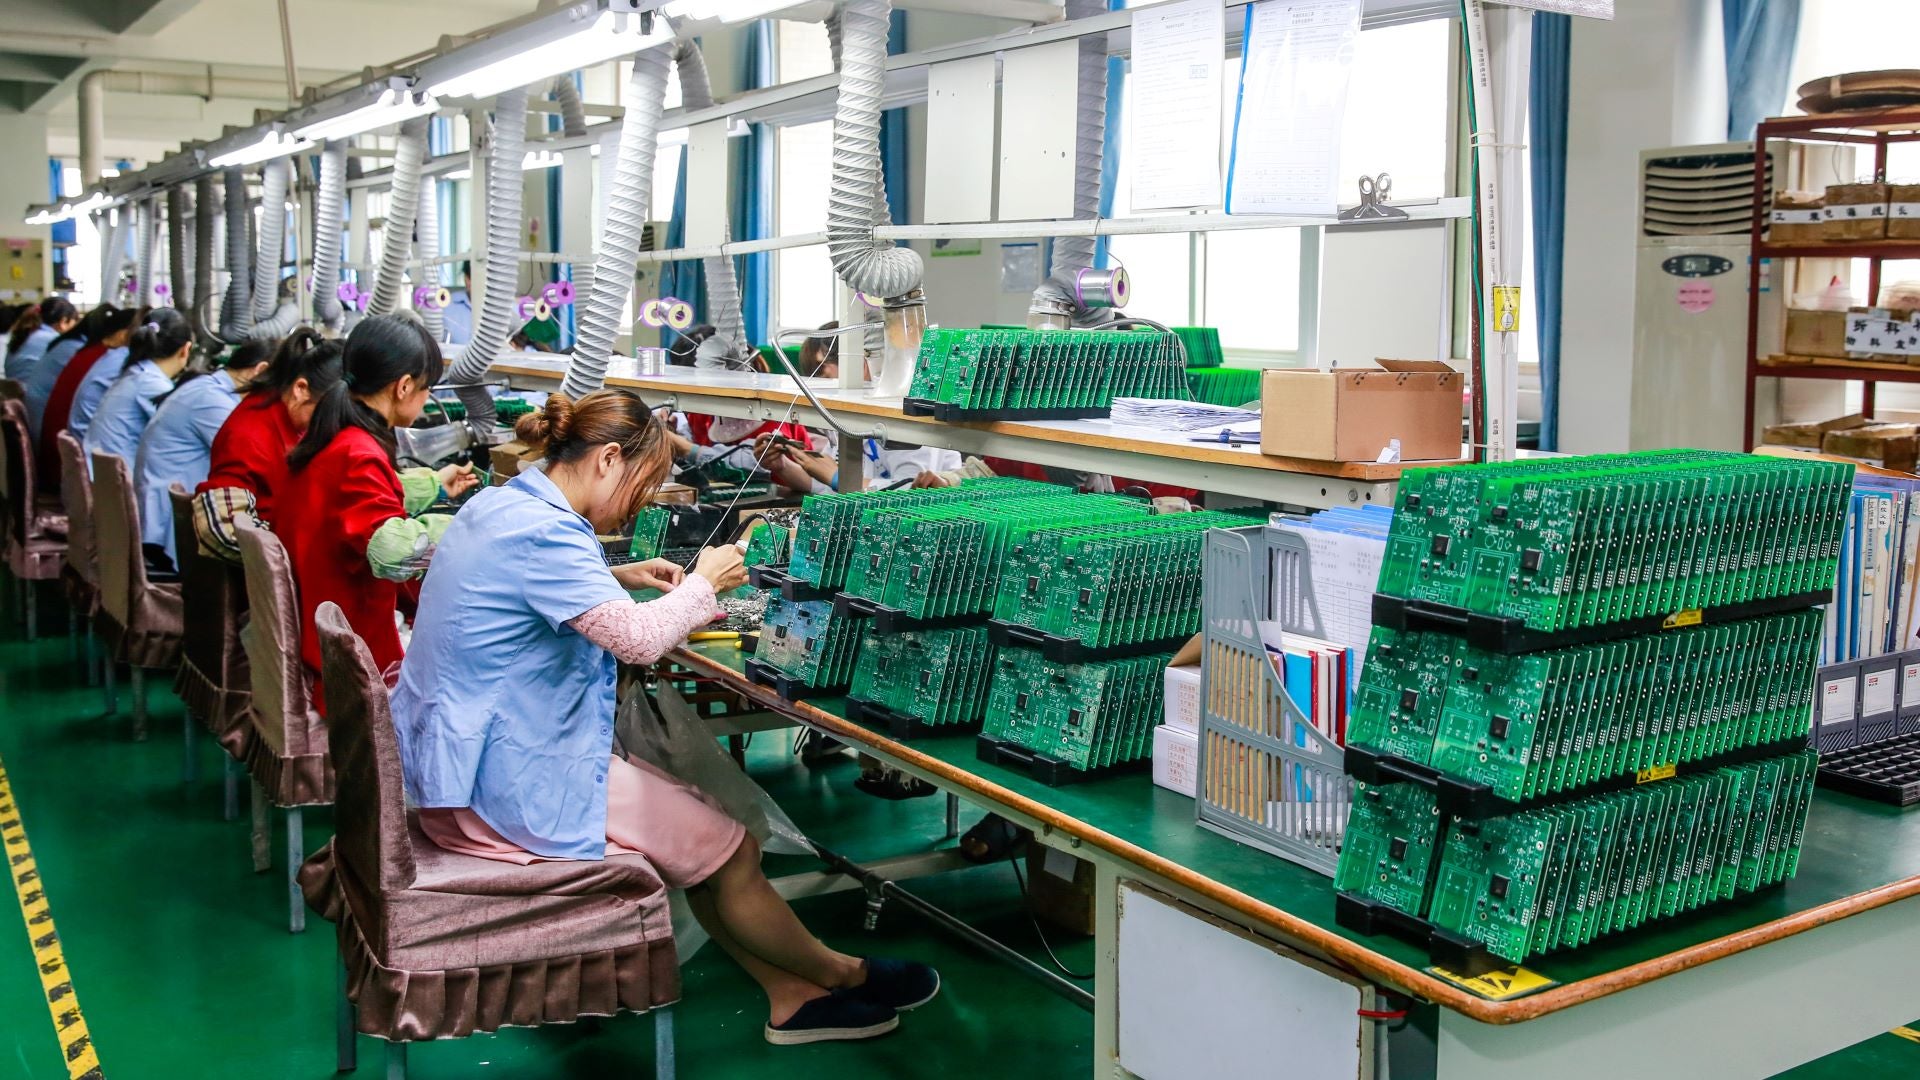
{"x":1086,"y":445}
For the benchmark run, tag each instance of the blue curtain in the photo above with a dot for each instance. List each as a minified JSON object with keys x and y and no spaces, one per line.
{"x":753,"y":199}
{"x":893,"y":134}
{"x":1547,"y":153}
{"x":681,"y":279}
{"x":1110,"y":160}
{"x":1760,"y":36}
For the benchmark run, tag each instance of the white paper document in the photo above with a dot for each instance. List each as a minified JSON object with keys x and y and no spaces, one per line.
{"x":1179,"y":56}
{"x":1297,"y":58}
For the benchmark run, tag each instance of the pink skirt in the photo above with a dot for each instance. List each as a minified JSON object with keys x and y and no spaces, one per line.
{"x":678,"y":828}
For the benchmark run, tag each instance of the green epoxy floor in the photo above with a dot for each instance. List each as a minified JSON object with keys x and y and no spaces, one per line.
{"x":182,"y":962}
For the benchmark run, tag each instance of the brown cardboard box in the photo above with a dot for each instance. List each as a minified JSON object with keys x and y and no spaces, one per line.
{"x":1855,"y":212}
{"x":1350,"y":414}
{"x":509,"y":458}
{"x":1890,"y":446}
{"x":1808,"y":435}
{"x":1896,"y":314}
{"x":1816,"y":333}
{"x":1903,"y":212}
{"x":675,"y":494}
{"x":1060,"y":888}
{"x":1796,"y":217}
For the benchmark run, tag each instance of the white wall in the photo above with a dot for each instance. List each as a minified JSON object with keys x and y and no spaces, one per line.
{"x":23,"y":180}
{"x":1652,"y":77}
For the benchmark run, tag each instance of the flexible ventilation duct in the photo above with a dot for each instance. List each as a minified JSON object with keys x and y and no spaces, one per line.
{"x":177,"y":248}
{"x":403,"y":201}
{"x":203,"y":209}
{"x":275,"y":178}
{"x":628,"y":201}
{"x":865,"y":263}
{"x":1072,"y":254}
{"x":113,"y":240}
{"x":493,"y":323}
{"x":426,"y":245}
{"x":236,"y":312}
{"x":723,"y":288}
{"x":143,"y":254}
{"x":573,"y":112}
{"x":329,"y":211}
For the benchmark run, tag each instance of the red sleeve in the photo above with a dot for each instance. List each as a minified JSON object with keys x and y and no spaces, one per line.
{"x":235,"y":449}
{"x":368,"y":496}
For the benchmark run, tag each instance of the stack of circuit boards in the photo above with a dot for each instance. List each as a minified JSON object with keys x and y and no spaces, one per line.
{"x":1041,"y":374}
{"x":1229,"y":386}
{"x":1586,"y":699}
{"x":1074,"y":718}
{"x":931,"y":678}
{"x":807,"y":646}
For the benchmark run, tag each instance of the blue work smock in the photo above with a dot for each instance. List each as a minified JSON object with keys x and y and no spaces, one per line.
{"x":178,"y":448}
{"x":21,"y":361}
{"x":124,"y":411}
{"x":501,"y":706}
{"x":93,"y":389}
{"x":46,"y":371}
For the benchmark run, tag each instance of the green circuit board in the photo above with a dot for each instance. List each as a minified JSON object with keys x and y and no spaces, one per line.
{"x":935,"y":676}
{"x":807,"y":641}
{"x":827,"y":531}
{"x":996,"y":370}
{"x":1090,"y":716}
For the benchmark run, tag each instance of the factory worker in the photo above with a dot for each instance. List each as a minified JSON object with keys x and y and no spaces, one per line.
{"x":105,"y":332}
{"x":34,"y":330}
{"x":352,"y":523}
{"x":505,"y":707}
{"x":247,"y":466}
{"x":48,"y":369}
{"x":93,"y":382}
{"x":178,"y":443}
{"x":156,"y":355}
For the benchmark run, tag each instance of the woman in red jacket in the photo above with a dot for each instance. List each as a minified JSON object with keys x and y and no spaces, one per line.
{"x":350,"y":520}
{"x":109,"y":331}
{"x":249,"y":455}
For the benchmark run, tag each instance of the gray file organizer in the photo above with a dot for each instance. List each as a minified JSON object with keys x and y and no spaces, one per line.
{"x":1907,"y":714}
{"x":1836,"y":707}
{"x":1879,"y":705}
{"x":1267,"y":778}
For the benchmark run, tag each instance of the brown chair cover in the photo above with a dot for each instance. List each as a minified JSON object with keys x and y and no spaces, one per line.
{"x":36,"y":529}
{"x":286,"y":740}
{"x":213,"y":678}
{"x":141,"y":620}
{"x":81,"y":574}
{"x":439,"y":945}
{"x":13,"y":390}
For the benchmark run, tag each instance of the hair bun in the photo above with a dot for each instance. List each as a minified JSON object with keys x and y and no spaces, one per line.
{"x":548,"y":425}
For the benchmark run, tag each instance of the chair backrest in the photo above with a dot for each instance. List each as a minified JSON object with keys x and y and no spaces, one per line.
{"x":116,"y":537}
{"x":281,"y":713}
{"x":16,"y":471}
{"x":76,"y":492}
{"x":13,"y":390}
{"x":370,"y":809}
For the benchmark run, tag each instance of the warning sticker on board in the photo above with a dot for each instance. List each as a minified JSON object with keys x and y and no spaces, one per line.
{"x":1500,"y":984}
{"x":1683,"y":617}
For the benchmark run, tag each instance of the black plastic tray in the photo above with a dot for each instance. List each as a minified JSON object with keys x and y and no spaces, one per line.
{"x":1509,"y":636}
{"x":1887,"y":771}
{"x":889,"y":620}
{"x":1472,"y":801}
{"x":1461,"y":956}
{"x":1064,"y":650}
{"x":777,"y":579}
{"x":902,"y":726}
{"x":940,"y":410}
{"x":1046,"y":768}
{"x":788,"y":687}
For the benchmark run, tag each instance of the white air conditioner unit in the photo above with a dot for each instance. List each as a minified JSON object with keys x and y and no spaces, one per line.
{"x":1690,"y":294}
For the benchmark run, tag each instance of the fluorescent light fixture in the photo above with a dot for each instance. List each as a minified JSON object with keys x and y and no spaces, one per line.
{"x":274,"y":143}
{"x":579,"y":35}
{"x":393,"y":105}
{"x":540,"y":159}
{"x":458,"y":174}
{"x":46,"y":215}
{"x":730,"y":11}
{"x":736,"y":128}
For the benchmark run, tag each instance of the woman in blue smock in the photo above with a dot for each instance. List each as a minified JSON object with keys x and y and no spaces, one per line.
{"x":177,"y":447}
{"x":156,"y":355}
{"x":505,"y":706}
{"x":36,"y":329}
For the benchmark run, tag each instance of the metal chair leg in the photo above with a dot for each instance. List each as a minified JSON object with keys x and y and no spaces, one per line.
{"x":137,"y":680}
{"x":346,"y":1051}
{"x":189,"y":768}
{"x":109,"y":673}
{"x":953,"y":815}
{"x":296,"y":853}
{"x":262,"y":834}
{"x":92,"y":653}
{"x":396,"y":1061}
{"x":229,"y":788}
{"x":33,"y":611}
{"x":74,"y":645}
{"x":663,"y":1064}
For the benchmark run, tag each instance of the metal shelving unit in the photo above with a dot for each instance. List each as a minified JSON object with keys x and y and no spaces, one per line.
{"x":1879,"y":129}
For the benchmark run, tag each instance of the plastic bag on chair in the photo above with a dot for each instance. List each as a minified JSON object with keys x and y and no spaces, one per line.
{"x":663,"y":730}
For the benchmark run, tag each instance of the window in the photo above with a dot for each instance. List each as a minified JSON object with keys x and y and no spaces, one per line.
{"x":83,"y":258}
{"x":1250,"y":283}
{"x":803,"y":168}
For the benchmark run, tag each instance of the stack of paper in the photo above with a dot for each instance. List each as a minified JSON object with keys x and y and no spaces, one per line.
{"x":1181,"y":415}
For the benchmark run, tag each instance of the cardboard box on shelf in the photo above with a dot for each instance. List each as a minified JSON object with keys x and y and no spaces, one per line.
{"x":1352,"y":414}
{"x":1176,"y":759}
{"x":1855,"y":212}
{"x":1903,"y":211}
{"x":1809,"y":434}
{"x":1890,"y":446}
{"x":508,"y":458}
{"x":1816,"y":333}
{"x":1883,"y":333}
{"x":1795,"y":218}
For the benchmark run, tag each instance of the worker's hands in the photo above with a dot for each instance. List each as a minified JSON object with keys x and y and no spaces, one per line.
{"x":793,"y":467}
{"x":930,"y":479}
{"x":724,"y":567}
{"x":662,"y":574}
{"x":455,"y":480}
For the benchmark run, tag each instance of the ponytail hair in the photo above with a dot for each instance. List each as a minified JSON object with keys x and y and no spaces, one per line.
{"x":379,"y":352}
{"x":566,"y":431}
{"x":54,"y":309}
{"x":304,"y":354}
{"x":165,"y":332}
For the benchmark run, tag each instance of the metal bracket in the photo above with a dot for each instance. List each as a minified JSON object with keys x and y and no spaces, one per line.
{"x":1373,"y":201}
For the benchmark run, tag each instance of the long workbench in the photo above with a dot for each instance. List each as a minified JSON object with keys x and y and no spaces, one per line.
{"x":1747,"y":988}
{"x":1169,"y":457}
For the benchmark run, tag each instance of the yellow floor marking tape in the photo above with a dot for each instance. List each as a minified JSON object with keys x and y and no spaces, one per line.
{"x":1906,"y":1033}
{"x":63,"y":1005}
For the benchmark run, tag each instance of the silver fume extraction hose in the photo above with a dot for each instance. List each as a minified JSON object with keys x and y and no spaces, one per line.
{"x":113,"y":239}
{"x":144,"y":236}
{"x":203,"y":210}
{"x":403,"y":201}
{"x":724,"y":311}
{"x":1059,"y":294}
{"x":236,"y":312}
{"x":865,"y":263}
{"x":493,"y":322}
{"x":573,"y":113}
{"x":329,"y":206}
{"x":275,"y":179}
{"x":628,"y":201}
{"x":426,"y":245}
{"x":177,"y":217}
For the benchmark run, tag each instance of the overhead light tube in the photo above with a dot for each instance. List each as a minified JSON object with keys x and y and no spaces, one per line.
{"x":273,"y":144}
{"x":394,"y":105}
{"x":578,"y":36}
